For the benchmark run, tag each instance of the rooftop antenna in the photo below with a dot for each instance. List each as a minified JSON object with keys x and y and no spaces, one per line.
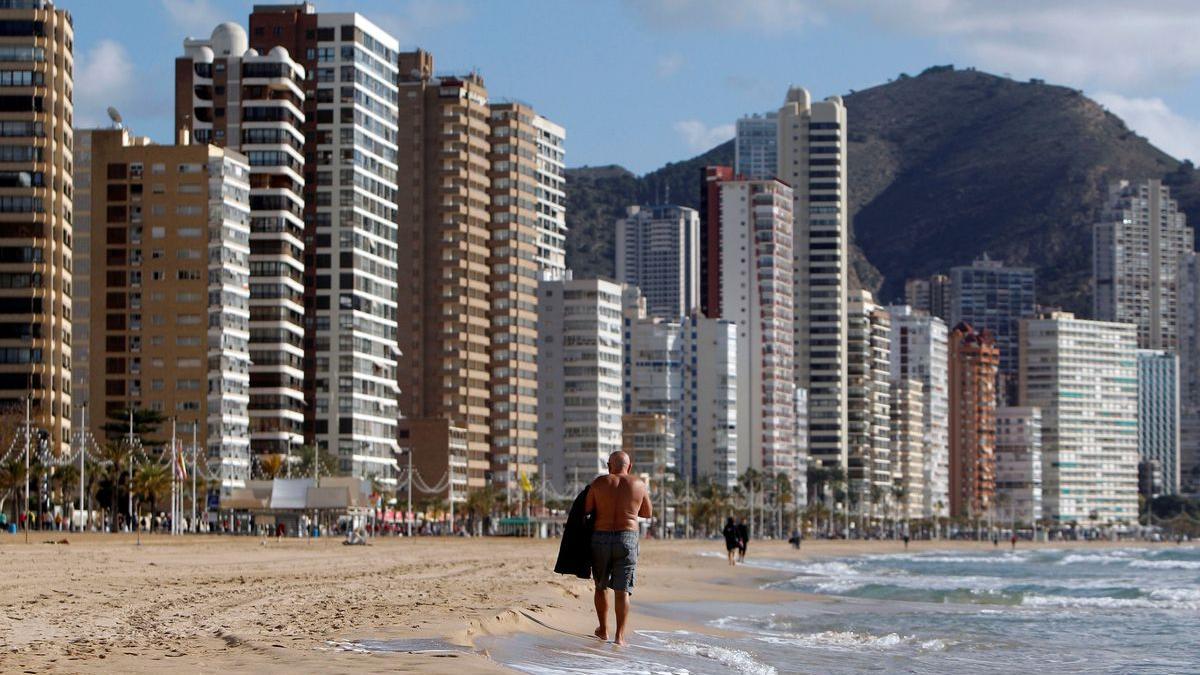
{"x":116,"y":118}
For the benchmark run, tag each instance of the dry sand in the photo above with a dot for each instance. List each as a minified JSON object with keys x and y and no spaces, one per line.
{"x":236,"y":604}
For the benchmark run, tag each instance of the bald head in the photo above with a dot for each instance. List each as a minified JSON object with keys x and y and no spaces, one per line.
{"x":618,"y":463}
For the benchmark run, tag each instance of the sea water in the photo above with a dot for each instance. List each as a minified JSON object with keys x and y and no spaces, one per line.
{"x":1044,"y":611}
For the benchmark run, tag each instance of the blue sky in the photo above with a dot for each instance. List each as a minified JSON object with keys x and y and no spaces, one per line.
{"x":641,"y":83}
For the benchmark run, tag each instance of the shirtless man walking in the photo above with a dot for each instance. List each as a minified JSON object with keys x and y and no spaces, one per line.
{"x":618,"y":500}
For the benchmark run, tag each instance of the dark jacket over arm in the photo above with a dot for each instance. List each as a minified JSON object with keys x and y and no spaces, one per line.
{"x":575,"y":551}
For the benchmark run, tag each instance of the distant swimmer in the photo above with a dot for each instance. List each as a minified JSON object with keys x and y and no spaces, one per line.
{"x":617,"y":500}
{"x":731,"y":539}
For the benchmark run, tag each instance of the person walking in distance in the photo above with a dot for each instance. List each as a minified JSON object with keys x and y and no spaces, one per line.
{"x":743,"y":531}
{"x":731,"y":539}
{"x":617,"y":500}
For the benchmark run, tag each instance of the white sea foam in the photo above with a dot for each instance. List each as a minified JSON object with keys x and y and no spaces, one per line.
{"x":852,"y":641}
{"x":1167,"y":564}
{"x":733,"y":659}
{"x":1095,"y":559}
{"x":1159,"y":599}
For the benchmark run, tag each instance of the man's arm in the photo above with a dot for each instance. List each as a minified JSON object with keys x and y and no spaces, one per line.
{"x":644,"y":509}
{"x":589,"y":503}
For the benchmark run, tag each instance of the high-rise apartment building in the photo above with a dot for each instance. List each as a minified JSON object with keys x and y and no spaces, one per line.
{"x":549,"y":140}
{"x":658,"y":250}
{"x":1189,"y":373}
{"x":755,"y":146}
{"x":990,"y":296}
{"x":812,"y":159}
{"x":708,"y":414}
{"x":446,"y":301}
{"x":752,"y":285}
{"x":919,"y":352}
{"x":868,"y":399}
{"x":525,"y":237}
{"x":579,"y":377}
{"x":36,"y":44}
{"x":1159,"y":414}
{"x":650,"y":442}
{"x":651,"y":369}
{"x":907,"y":429}
{"x":350,"y":214}
{"x":1018,"y":465}
{"x":974,"y":362}
{"x":1083,"y":376}
{"x":230,"y":96}
{"x":170,"y":291}
{"x":1136,"y":250}
{"x":931,"y":295}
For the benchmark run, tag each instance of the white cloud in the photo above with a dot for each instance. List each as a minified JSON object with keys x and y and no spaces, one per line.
{"x":1152,"y":118}
{"x":1111,"y":43}
{"x":766,"y":16}
{"x":668,"y":65}
{"x":700,"y":137}
{"x":197,"y":18}
{"x":105,"y":77}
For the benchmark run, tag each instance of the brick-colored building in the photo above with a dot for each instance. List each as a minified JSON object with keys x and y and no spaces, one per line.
{"x":170,"y":290}
{"x":974,"y":366}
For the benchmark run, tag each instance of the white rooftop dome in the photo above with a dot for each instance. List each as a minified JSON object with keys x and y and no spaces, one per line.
{"x":280,"y":53}
{"x":200,"y":54}
{"x":251,"y":52}
{"x":229,"y":39}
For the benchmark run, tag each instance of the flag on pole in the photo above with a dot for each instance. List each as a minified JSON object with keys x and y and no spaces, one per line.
{"x":181,"y":471}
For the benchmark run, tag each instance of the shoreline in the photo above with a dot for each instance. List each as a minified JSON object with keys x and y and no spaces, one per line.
{"x":209,"y":603}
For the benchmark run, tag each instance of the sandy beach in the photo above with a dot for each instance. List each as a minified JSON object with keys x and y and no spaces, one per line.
{"x":238,"y":604}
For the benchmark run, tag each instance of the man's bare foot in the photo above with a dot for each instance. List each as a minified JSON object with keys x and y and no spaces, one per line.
{"x":601,"y":633}
{"x":620,"y":641}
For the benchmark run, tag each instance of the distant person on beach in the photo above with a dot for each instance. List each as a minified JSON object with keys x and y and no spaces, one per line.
{"x":731,"y":539}
{"x":1014,"y":541}
{"x":743,"y":531}
{"x":906,"y":542}
{"x":617,"y":500}
{"x":796,"y":539}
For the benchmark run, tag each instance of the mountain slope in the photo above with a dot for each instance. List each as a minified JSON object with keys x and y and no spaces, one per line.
{"x":943,"y":167}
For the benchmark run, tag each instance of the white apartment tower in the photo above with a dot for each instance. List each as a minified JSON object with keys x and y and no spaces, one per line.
{"x":658,"y":250}
{"x":551,"y":197}
{"x":579,"y":377}
{"x":261,"y":103}
{"x":1159,"y":414}
{"x":1018,"y":464}
{"x":748,"y":281}
{"x":755,"y":146}
{"x":920,"y":352}
{"x":708,"y":412}
{"x":812,"y":159}
{"x":907,"y":431}
{"x":1083,"y":376}
{"x":650,"y":368}
{"x":868,"y":396}
{"x":351,"y":234}
{"x":1136,"y":257}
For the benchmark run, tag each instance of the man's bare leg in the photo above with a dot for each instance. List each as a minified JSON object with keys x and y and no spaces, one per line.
{"x":601,"y":599}
{"x":622,"y":606}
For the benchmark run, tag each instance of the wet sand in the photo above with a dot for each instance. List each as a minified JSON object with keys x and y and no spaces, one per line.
{"x":237,"y":604}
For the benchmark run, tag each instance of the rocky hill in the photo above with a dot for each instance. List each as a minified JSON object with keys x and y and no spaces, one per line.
{"x":944,"y":166}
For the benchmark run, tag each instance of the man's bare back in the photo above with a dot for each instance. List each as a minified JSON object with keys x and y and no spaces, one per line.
{"x":618,"y":500}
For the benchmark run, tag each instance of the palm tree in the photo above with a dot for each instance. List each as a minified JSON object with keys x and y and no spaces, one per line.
{"x":151,"y":482}
{"x":751,"y":481}
{"x":116,"y":456}
{"x":480,"y":504}
{"x":784,"y":495}
{"x":271,"y":466}
{"x":899,"y":493}
{"x":326,"y":462}
{"x":12,"y":482}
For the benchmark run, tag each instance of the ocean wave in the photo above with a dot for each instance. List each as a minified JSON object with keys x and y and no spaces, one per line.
{"x":1097,"y":559}
{"x":1158,"y":599}
{"x":851,"y":641}
{"x":733,"y":659}
{"x":1167,"y":564}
